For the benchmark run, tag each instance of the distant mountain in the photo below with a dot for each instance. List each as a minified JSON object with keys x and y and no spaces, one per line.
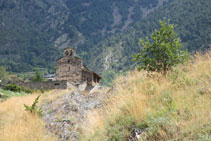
{"x":28,"y":29}
{"x":104,"y":32}
{"x":32,"y":32}
{"x":193,"y":20}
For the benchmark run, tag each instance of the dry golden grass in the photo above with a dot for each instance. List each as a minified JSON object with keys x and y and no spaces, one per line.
{"x":53,"y":95}
{"x":187,"y":89}
{"x":18,"y":125}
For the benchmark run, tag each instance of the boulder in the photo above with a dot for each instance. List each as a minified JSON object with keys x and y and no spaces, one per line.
{"x":82,"y":87}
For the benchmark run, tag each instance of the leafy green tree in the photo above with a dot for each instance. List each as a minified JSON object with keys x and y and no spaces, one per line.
{"x":162,"y":51}
{"x":4,"y":76}
{"x":37,"y":77}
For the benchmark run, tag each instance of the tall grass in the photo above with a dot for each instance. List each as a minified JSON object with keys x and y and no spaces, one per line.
{"x":172,"y":107}
{"x":18,"y":125}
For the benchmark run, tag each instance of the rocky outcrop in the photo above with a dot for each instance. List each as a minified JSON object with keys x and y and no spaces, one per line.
{"x":65,"y":116}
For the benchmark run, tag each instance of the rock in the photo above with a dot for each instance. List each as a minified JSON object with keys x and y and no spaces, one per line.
{"x":74,"y":108}
{"x":71,"y":86}
{"x":68,"y":113}
{"x":136,"y":134}
{"x":82,"y":87}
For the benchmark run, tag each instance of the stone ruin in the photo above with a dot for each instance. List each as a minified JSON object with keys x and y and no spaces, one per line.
{"x":70,"y":72}
{"x":71,"y":68}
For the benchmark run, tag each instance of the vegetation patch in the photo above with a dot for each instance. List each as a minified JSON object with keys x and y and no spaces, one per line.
{"x":17,"y":124}
{"x":7,"y":94}
{"x":175,"y":106}
{"x":34,"y":109}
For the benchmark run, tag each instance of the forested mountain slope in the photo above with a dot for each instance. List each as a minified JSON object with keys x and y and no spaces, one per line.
{"x":193,"y":20}
{"x":32,"y":31}
{"x":27,"y":31}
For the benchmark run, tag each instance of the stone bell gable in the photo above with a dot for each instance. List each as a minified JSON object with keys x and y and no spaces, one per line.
{"x":71,"y":68}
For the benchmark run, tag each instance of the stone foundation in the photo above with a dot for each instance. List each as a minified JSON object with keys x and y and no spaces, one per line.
{"x":45,"y":85}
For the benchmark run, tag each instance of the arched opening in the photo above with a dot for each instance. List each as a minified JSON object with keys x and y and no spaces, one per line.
{"x":71,"y":52}
{"x":66,"y":53}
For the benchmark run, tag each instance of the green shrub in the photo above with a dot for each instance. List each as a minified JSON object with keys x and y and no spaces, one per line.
{"x":38,"y":77}
{"x":3,"y":96}
{"x":42,"y":90}
{"x":17,"y":88}
{"x":34,"y":109}
{"x":7,"y":94}
{"x":26,"y":90}
{"x":4,"y":75}
{"x":13,"y":87}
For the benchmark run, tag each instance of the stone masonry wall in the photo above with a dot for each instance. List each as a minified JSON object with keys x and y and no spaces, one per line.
{"x":45,"y":85}
{"x":69,"y":68}
{"x":87,"y":77}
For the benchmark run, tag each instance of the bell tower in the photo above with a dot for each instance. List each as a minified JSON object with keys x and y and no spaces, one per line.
{"x":69,"y":52}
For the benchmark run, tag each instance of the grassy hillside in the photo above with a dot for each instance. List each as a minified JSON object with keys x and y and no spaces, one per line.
{"x":175,"y":107}
{"x":162,"y":108}
{"x":16,"y":124}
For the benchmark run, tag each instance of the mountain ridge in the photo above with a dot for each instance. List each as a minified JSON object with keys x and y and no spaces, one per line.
{"x":32,"y":33}
{"x":193,"y":22}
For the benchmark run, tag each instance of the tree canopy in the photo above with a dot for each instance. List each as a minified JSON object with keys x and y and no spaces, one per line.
{"x":37,"y":77}
{"x":4,"y":76}
{"x":162,"y":51}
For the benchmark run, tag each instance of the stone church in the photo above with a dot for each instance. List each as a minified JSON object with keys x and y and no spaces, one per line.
{"x":71,"y":68}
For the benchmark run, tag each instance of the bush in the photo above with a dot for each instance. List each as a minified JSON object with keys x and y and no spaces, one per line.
{"x":13,"y":87}
{"x":4,"y":76}
{"x":42,"y":90}
{"x":34,"y":109}
{"x":37,"y":77}
{"x":26,"y":90}
{"x":17,"y":88}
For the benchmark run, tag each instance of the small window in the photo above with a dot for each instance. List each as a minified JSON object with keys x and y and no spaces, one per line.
{"x":56,"y":84}
{"x":71,"y":53}
{"x":66,"y":53}
{"x":69,"y":61}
